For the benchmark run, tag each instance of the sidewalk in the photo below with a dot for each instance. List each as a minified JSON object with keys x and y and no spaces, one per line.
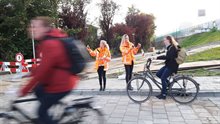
{"x":119,"y":109}
{"x":209,"y":86}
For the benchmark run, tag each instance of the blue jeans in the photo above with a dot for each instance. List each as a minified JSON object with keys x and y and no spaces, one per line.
{"x":47,"y":100}
{"x":163,"y":74}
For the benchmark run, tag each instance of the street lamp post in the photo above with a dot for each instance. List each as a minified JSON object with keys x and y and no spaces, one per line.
{"x":32,"y":38}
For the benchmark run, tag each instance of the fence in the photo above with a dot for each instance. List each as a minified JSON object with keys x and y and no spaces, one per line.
{"x":15,"y":67}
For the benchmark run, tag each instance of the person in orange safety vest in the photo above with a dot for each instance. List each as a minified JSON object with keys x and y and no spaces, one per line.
{"x":103,"y":57}
{"x":128,"y":50}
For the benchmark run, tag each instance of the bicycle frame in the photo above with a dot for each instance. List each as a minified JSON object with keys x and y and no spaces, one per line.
{"x":78,"y":103}
{"x":15,"y":108}
{"x":148,"y":74}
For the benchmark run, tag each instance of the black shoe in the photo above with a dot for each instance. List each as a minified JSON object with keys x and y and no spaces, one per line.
{"x":100,"y":89}
{"x":103,"y":89}
{"x":161,"y":96}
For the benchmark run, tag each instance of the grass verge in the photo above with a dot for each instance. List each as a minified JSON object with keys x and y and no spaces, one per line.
{"x":211,"y":54}
{"x":201,"y":72}
{"x":200,"y":39}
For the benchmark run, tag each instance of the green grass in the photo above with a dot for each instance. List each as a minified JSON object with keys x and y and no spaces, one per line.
{"x":200,"y":39}
{"x":200,"y":72}
{"x":211,"y":54}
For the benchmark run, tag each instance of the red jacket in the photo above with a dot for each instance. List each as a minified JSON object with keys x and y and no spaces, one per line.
{"x":54,"y":80}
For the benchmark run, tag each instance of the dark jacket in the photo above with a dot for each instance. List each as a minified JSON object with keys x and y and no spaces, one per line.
{"x":169,"y":58}
{"x":53,"y":80}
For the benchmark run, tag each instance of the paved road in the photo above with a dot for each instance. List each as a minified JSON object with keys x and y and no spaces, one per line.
{"x":118,"y":109}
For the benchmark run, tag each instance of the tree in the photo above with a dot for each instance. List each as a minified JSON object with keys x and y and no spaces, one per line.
{"x":14,"y":18}
{"x":91,"y":39}
{"x":143,"y":24}
{"x":116,"y":33}
{"x":73,"y":17}
{"x":108,"y":10}
{"x":133,"y":11}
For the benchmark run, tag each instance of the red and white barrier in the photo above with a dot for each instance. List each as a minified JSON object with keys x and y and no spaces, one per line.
{"x":15,"y":67}
{"x":32,"y":63}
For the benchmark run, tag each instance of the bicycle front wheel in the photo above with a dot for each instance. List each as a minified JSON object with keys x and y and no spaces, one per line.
{"x":83,"y":115}
{"x":139,"y":89}
{"x":184,"y":90}
{"x":9,"y":120}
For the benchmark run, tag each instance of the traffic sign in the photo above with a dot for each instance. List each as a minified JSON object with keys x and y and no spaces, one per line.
{"x":19,"y":57}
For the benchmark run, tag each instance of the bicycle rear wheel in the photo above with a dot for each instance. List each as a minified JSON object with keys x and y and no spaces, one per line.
{"x":83,"y":115}
{"x":142,"y":89}
{"x":10,"y":121}
{"x":184,"y":90}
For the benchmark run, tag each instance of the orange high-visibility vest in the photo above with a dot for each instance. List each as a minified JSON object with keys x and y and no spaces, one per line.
{"x":103,"y":57}
{"x":128,"y":53}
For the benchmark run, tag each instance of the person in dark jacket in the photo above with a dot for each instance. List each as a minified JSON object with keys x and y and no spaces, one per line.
{"x":171,"y":65}
{"x":49,"y":83}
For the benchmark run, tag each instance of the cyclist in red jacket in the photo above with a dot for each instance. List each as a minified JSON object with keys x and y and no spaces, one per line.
{"x":49,"y":83}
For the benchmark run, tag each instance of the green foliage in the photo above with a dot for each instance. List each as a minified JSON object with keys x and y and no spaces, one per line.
{"x":115,"y":45}
{"x":214,"y":29}
{"x":16,"y":14}
{"x":133,"y":11}
{"x":14,"y":18}
{"x":212,"y":54}
{"x":201,"y":39}
{"x":91,"y":38}
{"x":73,"y":32}
{"x":108,"y":11}
{"x":73,"y":17}
{"x":200,"y":72}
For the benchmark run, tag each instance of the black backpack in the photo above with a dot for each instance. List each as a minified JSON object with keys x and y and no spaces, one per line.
{"x":77,"y":54}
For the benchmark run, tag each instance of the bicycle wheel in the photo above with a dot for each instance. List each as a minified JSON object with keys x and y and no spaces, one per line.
{"x":141,"y":91}
{"x":184,"y":90}
{"x":8,"y":120}
{"x":57,"y":110}
{"x":82,"y":115}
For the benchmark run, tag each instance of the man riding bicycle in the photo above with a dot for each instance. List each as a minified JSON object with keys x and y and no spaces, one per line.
{"x":49,"y":82}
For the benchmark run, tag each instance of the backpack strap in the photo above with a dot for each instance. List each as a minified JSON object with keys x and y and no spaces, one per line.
{"x":59,"y":39}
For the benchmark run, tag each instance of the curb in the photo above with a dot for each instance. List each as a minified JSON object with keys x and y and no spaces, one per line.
{"x":92,"y":92}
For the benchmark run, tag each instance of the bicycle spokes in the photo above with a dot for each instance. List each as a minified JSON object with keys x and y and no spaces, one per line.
{"x":141,"y":89}
{"x":184,"y":90}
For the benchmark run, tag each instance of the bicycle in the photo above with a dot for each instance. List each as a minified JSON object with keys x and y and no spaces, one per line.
{"x":76,"y":111}
{"x":182,"y":88}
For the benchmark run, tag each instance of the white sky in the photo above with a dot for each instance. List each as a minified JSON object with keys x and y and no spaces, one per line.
{"x":171,"y":15}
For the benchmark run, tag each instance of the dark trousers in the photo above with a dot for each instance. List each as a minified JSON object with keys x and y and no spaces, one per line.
{"x":102,"y":76}
{"x":128,"y":71}
{"x":47,"y":100}
{"x":163,"y":74}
